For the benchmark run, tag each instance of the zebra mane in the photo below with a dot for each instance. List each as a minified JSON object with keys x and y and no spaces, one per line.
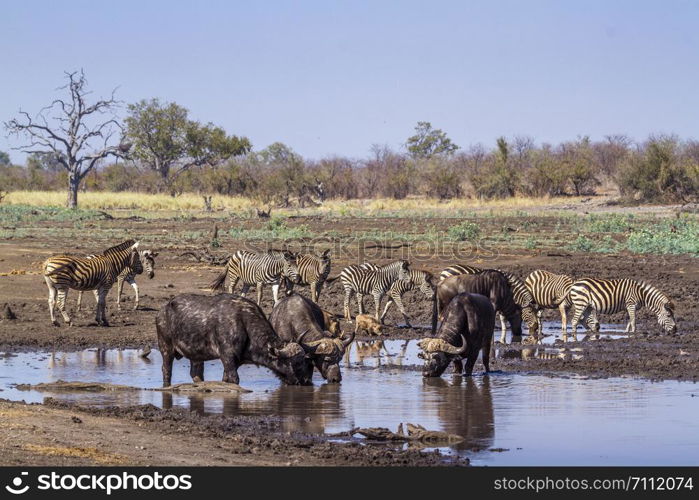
{"x":649,"y":290}
{"x":119,"y":248}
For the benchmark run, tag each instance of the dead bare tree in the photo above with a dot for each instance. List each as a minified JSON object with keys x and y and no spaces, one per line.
{"x":73,"y":132}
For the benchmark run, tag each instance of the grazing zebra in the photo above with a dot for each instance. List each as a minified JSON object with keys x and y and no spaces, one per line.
{"x":258,"y":269}
{"x":421,"y":280}
{"x":550,"y":291}
{"x":129,"y":275}
{"x":521,"y":294}
{"x":62,"y":272}
{"x":313,"y":270}
{"x":369,"y":279}
{"x":591,"y":296}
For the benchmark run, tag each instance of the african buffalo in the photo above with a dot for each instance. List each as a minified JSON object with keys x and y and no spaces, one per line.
{"x":230,"y":328}
{"x":493,"y":284}
{"x":298,"y":319}
{"x":468,"y":325}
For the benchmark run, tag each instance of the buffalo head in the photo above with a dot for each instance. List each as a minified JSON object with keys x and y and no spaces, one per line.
{"x":437,"y":354}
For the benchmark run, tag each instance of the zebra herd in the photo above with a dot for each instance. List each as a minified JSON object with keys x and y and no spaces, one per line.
{"x":540,"y":290}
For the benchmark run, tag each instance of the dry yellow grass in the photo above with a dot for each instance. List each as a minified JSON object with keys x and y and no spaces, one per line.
{"x":93,"y":454}
{"x":194,"y":202}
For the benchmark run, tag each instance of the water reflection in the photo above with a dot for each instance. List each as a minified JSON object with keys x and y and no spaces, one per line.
{"x":465,"y":409}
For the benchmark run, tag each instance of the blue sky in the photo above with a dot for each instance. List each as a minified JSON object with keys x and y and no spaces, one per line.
{"x":330,"y":77}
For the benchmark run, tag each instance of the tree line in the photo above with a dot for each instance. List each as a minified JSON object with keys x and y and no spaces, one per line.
{"x":157,"y":148}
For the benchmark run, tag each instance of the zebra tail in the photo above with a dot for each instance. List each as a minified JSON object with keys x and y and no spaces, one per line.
{"x":331,"y":279}
{"x":217,"y":284}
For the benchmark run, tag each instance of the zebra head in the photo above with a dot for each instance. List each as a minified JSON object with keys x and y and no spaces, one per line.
{"x":425,"y":284}
{"x":403,"y":270}
{"x":148,"y":260}
{"x":666,"y":318}
{"x":290,"y":269}
{"x":530,"y":317}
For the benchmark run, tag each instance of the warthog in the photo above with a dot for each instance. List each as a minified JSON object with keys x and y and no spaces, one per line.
{"x":468,"y":325}
{"x":493,"y":284}
{"x":298,"y":319}
{"x":230,"y":328}
{"x":367,"y":323}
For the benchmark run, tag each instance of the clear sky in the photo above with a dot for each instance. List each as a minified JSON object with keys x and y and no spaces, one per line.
{"x":330,"y":77}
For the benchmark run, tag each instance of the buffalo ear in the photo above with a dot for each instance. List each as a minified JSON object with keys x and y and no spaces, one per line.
{"x":272,"y":352}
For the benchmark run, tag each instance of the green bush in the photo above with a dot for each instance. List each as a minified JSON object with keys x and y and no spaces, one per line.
{"x":677,"y":236}
{"x":582,"y":244}
{"x":614,"y":223}
{"x":465,"y":231}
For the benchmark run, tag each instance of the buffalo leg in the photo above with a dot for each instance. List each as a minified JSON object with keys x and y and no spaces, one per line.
{"x":470,"y":361}
{"x":196,"y":371}
{"x":168,"y":358}
{"x":230,"y":370}
{"x":458,"y":366}
{"x":486,"y":356}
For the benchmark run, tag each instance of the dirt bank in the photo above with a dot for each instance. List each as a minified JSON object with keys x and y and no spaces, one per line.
{"x":61,"y":434}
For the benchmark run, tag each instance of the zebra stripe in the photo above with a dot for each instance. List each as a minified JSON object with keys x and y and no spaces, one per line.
{"x":313,"y":270}
{"x":422,"y":280}
{"x":63,"y":272}
{"x":370,"y":279}
{"x":550,"y":291}
{"x":520,"y":293}
{"x":146,"y":264}
{"x":258,"y":269}
{"x":590,"y":296}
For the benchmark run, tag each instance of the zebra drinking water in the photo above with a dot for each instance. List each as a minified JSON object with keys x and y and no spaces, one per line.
{"x":63,"y":272}
{"x":267,"y":268}
{"x":590,"y":296}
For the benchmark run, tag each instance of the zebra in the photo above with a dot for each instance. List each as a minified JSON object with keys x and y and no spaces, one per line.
{"x":590,"y":296}
{"x":129,"y":275}
{"x":369,"y":279}
{"x":313,"y":270}
{"x":62,"y":272}
{"x":550,"y":291}
{"x":530,"y":308}
{"x":258,"y":269}
{"x":421,"y":280}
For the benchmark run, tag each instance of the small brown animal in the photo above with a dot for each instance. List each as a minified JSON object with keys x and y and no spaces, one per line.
{"x":332,"y":323}
{"x":367,"y":323}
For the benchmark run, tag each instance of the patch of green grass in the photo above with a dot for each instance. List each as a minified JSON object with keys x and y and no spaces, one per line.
{"x":14,"y":214}
{"x":582,"y":244}
{"x":465,"y":231}
{"x":610,"y":223}
{"x":671,"y":236}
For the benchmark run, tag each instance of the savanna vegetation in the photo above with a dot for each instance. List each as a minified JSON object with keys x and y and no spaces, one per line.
{"x":80,"y":143}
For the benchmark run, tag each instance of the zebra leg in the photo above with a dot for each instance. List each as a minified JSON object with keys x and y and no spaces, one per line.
{"x":259,"y":293}
{"x":580,"y":312}
{"x":377,"y":305}
{"x":61,"y":302}
{"x":631,"y":327}
{"x":314,"y":293}
{"x":399,"y":303}
{"x":120,"y":286}
{"x":101,"y":316}
{"x":385,"y":309}
{"x":52,"y":300}
{"x":564,"y":320}
{"x":135,"y":289}
{"x":503,"y":328}
{"x":80,"y":300}
{"x":232,"y":281}
{"x":348,"y":295}
{"x":360,"y":303}
{"x":275,"y":293}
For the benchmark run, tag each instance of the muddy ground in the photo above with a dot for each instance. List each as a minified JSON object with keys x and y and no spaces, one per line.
{"x":238,"y":441}
{"x":58,"y":433}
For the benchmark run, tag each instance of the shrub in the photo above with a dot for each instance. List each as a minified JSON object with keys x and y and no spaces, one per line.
{"x":465,"y":231}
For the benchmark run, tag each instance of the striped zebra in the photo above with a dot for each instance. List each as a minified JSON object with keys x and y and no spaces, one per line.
{"x":265,"y":268}
{"x":313,"y":270}
{"x":62,"y":272}
{"x":147,"y":265}
{"x":422,"y":280}
{"x":521,"y":294}
{"x":550,"y":291}
{"x":366,"y":278}
{"x":591,"y":296}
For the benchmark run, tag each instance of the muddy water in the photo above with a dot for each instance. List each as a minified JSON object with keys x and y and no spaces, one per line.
{"x":506,"y":419}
